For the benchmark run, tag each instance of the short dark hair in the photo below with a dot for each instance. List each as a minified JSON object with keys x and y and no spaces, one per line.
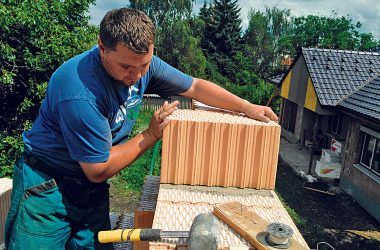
{"x":131,"y":27}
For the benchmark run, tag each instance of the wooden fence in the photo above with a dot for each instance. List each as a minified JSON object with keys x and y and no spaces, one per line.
{"x":154,"y":102}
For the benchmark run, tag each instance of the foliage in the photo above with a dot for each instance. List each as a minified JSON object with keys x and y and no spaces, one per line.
{"x":135,"y":173}
{"x":259,"y":93}
{"x":165,"y":11}
{"x":213,"y":74}
{"x":267,"y":39}
{"x":174,"y":34}
{"x":35,"y":38}
{"x":222,"y":32}
{"x":331,"y":32}
{"x":185,"y":53}
{"x":10,"y":150}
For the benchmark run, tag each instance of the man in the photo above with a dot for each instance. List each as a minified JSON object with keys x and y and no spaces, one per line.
{"x":80,"y":138}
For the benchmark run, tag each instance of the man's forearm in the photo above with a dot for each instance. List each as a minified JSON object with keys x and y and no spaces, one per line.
{"x":120,"y":156}
{"x":214,"y":95}
{"x":211,"y":94}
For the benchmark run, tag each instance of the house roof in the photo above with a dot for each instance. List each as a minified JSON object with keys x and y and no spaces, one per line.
{"x":366,"y":100}
{"x":337,"y":74}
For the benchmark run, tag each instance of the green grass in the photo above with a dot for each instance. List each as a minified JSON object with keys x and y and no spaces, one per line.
{"x":135,"y":173}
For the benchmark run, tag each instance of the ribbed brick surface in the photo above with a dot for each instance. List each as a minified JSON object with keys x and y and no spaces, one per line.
{"x":178,"y":205}
{"x":5,"y":200}
{"x":145,"y":211}
{"x":219,"y":149}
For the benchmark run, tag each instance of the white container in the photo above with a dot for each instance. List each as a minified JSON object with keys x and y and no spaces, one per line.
{"x":329,"y":156}
{"x":330,"y":170}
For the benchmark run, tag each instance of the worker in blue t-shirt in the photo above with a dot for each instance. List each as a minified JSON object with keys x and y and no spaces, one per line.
{"x":80,"y":137}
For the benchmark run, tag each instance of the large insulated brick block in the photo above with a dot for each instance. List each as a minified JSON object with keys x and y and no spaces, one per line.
{"x":5,"y":201}
{"x":219,"y":149}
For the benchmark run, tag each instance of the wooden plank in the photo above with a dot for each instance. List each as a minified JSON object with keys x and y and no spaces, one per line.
{"x":248,"y":224}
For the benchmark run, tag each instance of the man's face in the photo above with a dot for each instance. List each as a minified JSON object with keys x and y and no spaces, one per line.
{"x":123,"y":64}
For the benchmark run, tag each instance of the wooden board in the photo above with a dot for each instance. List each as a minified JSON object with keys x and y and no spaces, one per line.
{"x":248,"y":224}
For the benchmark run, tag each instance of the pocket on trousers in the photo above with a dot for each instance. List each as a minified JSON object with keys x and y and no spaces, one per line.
{"x":42,"y":211}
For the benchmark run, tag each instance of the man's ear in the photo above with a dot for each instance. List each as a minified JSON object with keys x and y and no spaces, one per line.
{"x":101,"y":46}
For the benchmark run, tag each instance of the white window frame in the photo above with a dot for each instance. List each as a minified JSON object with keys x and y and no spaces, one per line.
{"x":368,"y":131}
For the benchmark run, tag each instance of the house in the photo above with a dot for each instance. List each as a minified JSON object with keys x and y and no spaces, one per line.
{"x":331,"y":99}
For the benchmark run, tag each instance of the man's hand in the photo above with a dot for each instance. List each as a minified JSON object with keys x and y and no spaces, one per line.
{"x":258,"y":112}
{"x":158,"y":122}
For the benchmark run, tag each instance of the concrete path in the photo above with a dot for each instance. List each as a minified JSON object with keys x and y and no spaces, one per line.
{"x":297,"y":156}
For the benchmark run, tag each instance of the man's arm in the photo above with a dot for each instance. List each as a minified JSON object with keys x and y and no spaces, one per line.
{"x":124,"y":154}
{"x":214,"y":95}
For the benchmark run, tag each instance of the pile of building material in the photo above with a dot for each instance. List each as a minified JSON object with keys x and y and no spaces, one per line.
{"x":329,"y":165}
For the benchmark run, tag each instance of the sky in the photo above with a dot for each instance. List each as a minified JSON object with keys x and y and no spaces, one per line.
{"x":365,"y":11}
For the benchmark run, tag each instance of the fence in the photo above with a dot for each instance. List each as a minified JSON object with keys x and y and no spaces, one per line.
{"x":151,"y":101}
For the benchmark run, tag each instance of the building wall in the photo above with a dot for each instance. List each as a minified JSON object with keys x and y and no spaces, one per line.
{"x":356,"y":180}
{"x":298,"y":82}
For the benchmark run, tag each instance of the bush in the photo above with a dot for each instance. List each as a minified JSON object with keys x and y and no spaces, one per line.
{"x":35,"y":38}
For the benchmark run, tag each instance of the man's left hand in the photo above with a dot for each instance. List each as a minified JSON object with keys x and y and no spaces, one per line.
{"x":261,"y":113}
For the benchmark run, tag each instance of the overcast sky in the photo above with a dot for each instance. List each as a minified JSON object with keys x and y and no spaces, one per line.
{"x":365,"y":11}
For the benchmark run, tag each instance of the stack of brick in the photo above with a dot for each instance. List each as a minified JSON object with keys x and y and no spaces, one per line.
{"x":219,"y":149}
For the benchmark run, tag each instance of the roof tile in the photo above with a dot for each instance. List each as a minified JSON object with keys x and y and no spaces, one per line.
{"x":338,"y":73}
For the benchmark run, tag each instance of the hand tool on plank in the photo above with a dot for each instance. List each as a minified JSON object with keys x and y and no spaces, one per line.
{"x":203,"y":234}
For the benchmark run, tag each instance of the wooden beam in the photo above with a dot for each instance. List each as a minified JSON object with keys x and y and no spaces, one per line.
{"x":248,"y":224}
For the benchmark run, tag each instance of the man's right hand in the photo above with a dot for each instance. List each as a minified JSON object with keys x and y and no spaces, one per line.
{"x":158,"y":122}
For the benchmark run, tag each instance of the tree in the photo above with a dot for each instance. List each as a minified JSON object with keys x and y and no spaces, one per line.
{"x":164,"y":11}
{"x":267,"y":39}
{"x":209,"y":28}
{"x":222,"y":31}
{"x":331,"y":32}
{"x":181,"y":49}
{"x":35,"y":38}
{"x":175,"y":41}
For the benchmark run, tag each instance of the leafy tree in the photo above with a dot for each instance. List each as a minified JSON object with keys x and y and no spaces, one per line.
{"x":35,"y":38}
{"x":178,"y":47}
{"x":267,"y":39}
{"x":164,"y":11}
{"x":175,"y":42}
{"x":331,"y":32}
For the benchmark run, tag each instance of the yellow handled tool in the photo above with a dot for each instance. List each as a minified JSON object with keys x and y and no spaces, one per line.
{"x":121,"y":235}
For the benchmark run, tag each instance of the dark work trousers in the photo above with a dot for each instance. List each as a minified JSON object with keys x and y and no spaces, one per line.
{"x":55,"y":213}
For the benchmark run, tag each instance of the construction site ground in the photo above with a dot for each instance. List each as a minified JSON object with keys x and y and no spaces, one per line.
{"x":319,"y":217}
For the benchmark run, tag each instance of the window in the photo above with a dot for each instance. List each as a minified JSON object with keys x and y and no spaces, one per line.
{"x":370,"y":150}
{"x":336,"y":124}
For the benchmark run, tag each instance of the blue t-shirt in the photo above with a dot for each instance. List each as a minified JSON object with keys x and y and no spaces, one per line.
{"x":86,"y":112}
